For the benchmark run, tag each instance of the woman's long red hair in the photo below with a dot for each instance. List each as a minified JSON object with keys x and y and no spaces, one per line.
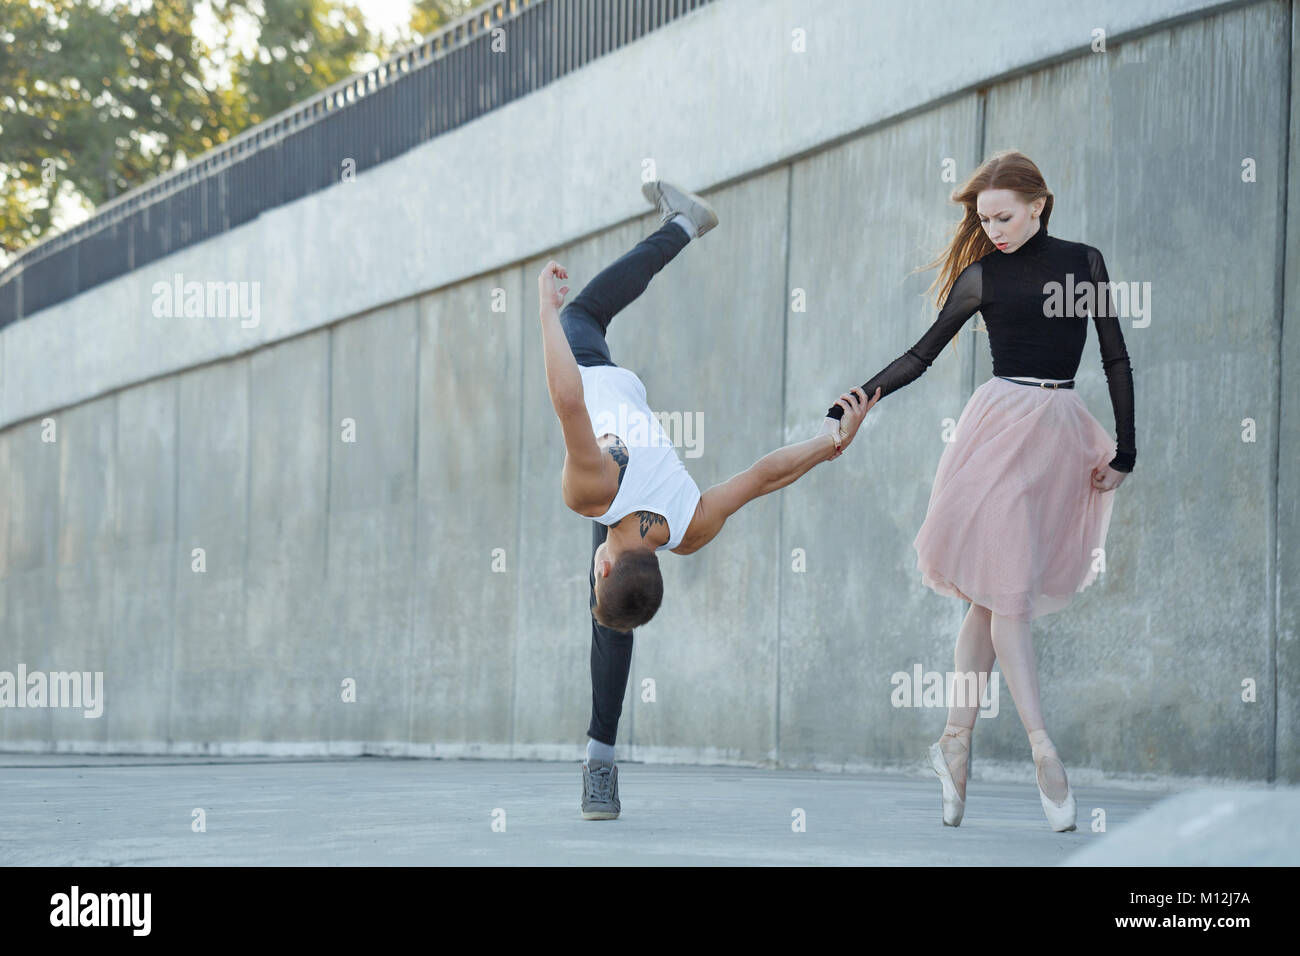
{"x":1006,"y":169}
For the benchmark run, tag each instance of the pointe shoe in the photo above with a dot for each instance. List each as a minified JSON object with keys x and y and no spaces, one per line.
{"x":1061,"y":817}
{"x":953,"y":805}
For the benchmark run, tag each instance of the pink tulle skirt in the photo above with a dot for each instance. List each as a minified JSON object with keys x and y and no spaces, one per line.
{"x":1014,"y":523}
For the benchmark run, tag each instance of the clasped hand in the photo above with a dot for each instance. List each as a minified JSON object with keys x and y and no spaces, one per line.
{"x":856,"y":405}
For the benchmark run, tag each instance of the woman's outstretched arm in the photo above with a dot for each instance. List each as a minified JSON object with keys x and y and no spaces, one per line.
{"x":963,"y":301}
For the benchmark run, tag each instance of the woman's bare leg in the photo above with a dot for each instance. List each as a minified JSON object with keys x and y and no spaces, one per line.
{"x":1015,"y":650}
{"x":974,"y":654}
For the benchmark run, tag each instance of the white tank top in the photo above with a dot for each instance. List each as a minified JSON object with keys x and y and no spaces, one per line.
{"x":655,"y":479}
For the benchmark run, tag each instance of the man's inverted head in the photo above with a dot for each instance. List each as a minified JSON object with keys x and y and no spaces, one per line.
{"x":629,"y":588}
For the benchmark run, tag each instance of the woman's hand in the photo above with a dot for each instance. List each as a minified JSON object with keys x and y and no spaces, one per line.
{"x":855,"y":405}
{"x":1107,"y":478}
{"x":546,"y":284}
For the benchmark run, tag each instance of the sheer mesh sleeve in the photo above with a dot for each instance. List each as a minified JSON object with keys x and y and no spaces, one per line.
{"x":1115,"y":360}
{"x":963,"y":301}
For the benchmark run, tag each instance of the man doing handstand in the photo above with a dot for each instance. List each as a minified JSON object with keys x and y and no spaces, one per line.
{"x":621,"y":469}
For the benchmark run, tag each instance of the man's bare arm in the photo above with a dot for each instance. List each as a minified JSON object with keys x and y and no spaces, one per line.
{"x":772,"y":472}
{"x":585,"y":477}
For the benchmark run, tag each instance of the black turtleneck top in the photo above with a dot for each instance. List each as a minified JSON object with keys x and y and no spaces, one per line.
{"x":1011,"y":291}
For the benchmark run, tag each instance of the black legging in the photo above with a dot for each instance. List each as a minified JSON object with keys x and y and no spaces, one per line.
{"x":611,"y":660}
{"x":585,"y":321}
{"x":586,"y":318}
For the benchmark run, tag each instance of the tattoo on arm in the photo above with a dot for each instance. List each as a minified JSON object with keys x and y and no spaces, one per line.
{"x":618,"y":451}
{"x":649,"y":520}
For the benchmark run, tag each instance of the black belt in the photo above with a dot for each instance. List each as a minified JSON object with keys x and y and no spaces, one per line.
{"x":1069,"y":384}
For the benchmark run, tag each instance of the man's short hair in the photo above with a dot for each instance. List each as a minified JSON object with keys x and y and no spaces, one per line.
{"x":632,"y":593}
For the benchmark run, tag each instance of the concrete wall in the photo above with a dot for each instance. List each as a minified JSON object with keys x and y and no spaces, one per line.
{"x":1286,"y":662}
{"x":430,"y":559}
{"x":710,"y":97}
{"x":1154,"y":180}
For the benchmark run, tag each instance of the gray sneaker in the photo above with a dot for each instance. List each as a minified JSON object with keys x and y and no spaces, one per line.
{"x":600,"y":791}
{"x":671,"y":200}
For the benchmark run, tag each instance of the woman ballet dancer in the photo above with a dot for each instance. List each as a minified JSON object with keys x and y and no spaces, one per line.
{"x":1020,"y":505}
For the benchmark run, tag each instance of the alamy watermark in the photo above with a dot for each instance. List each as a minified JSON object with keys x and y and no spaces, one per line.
{"x":923,"y":688}
{"x":81,"y":689}
{"x":208,"y":300}
{"x":1131,"y":300}
{"x":75,"y":908}
{"x":639,"y":430}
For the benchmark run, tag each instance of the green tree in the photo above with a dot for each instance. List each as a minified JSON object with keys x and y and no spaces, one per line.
{"x":99,"y":97}
{"x":94,"y":101}
{"x":303,"y":46}
{"x":429,"y":16}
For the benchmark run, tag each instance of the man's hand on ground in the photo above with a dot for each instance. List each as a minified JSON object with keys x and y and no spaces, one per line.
{"x":546,"y":289}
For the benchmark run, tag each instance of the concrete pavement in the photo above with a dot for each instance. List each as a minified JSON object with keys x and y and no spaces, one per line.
{"x":61,"y":810}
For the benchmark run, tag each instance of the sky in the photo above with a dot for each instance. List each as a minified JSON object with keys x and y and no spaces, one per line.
{"x":385,"y":15}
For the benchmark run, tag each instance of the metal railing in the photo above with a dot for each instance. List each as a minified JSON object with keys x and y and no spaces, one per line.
{"x":443,"y":82}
